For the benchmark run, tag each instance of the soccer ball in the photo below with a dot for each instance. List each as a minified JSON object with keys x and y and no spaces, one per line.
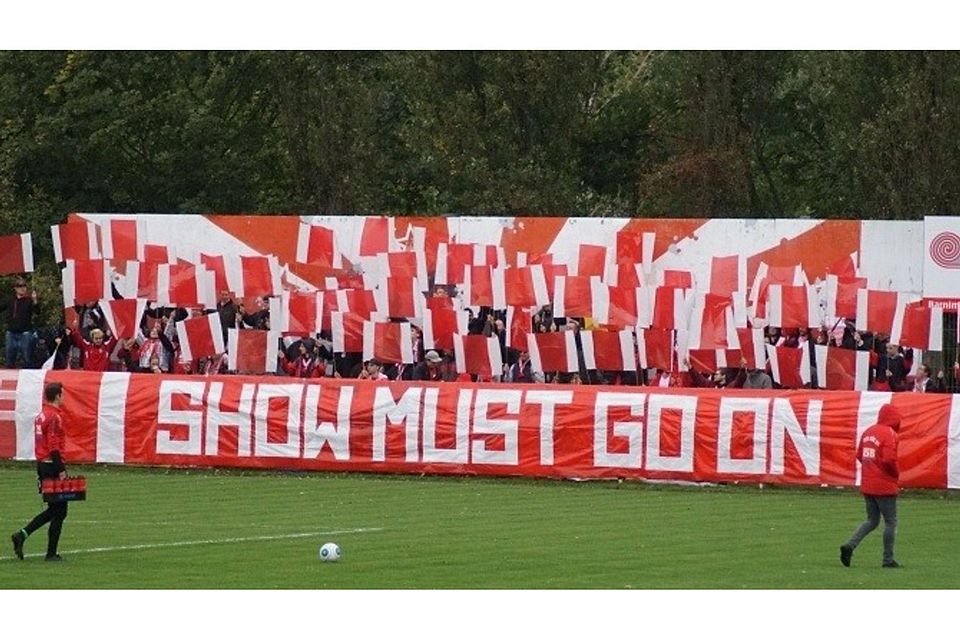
{"x":330,"y":552}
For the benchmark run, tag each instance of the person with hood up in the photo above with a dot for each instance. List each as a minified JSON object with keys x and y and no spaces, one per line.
{"x":877,"y":452}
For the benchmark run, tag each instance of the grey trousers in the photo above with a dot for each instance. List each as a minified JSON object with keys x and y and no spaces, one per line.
{"x":877,"y":506}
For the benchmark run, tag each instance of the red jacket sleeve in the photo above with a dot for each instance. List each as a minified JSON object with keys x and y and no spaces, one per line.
{"x":888,"y":456}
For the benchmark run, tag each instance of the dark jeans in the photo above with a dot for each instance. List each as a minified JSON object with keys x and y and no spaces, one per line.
{"x":55,"y":513}
{"x":20,"y":343}
{"x":877,"y":506}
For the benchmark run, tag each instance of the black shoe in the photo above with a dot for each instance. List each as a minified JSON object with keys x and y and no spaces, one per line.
{"x":893,"y":564}
{"x":18,"y":540}
{"x":846,"y":554}
{"x":54,"y":558}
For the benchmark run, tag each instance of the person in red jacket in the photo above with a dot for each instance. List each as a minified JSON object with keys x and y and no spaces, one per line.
{"x":96,"y":351}
{"x":49,"y":444}
{"x":877,"y":452}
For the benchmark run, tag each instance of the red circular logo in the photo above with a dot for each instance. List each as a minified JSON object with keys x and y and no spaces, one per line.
{"x":945,"y":250}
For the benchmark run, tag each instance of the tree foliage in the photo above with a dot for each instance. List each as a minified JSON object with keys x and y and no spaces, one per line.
{"x":693,"y":134}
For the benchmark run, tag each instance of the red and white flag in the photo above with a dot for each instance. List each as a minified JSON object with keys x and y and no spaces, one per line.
{"x":159,"y":253}
{"x":676,"y":278}
{"x":880,"y":311}
{"x":671,"y":308}
{"x":253,"y":275}
{"x":710,"y":360}
{"x":712,"y":324}
{"x":655,"y":348}
{"x":346,"y":330}
{"x":440,"y":325}
{"x":123,"y":316}
{"x":767,"y":275}
{"x":846,"y":267}
{"x":519,"y":324}
{"x":16,"y":254}
{"x":184,"y":285}
{"x":120,"y":238}
{"x":573,"y":296}
{"x":452,"y":262}
{"x":388,"y":342}
{"x":484,"y":287}
{"x":526,"y":286}
{"x":489,"y":255}
{"x":841,"y":369}
{"x":728,"y":274}
{"x":378,"y":236}
{"x":252,"y":351}
{"x":85,"y":281}
{"x":361,"y":301}
{"x":405,"y":264}
{"x":628,"y":275}
{"x":842,"y":296}
{"x":752,"y":346}
{"x":140,"y":280}
{"x":591,"y":260}
{"x":790,"y":366}
{"x":217,"y":266}
{"x":317,"y":244}
{"x":791,"y":307}
{"x":200,"y":337}
{"x":554,"y":351}
{"x":921,"y":328}
{"x":298,"y":313}
{"x":400,"y":297}
{"x":623,"y":306}
{"x":478,"y":355}
{"x":609,"y":350}
{"x":75,"y":240}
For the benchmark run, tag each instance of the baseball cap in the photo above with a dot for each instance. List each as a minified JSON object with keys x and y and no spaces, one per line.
{"x":432,"y":356}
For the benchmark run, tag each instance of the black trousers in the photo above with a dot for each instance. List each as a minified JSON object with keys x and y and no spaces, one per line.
{"x":55,"y":513}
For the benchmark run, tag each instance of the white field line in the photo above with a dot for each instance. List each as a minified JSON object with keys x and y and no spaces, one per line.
{"x":193,"y":543}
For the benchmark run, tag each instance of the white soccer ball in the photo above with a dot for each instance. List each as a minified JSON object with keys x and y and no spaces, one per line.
{"x":330,"y":552}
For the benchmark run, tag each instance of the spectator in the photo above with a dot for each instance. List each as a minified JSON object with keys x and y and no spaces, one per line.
{"x":923,"y":383}
{"x":307,"y":364}
{"x":757,"y":379}
{"x":21,"y":336}
{"x":95,"y":352}
{"x":891,"y":368}
{"x":372,"y":371}
{"x":430,"y":368}
{"x":521,"y":371}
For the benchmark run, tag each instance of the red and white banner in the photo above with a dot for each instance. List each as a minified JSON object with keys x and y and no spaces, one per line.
{"x":921,"y":328}
{"x":671,"y":308}
{"x":185,"y":285}
{"x":478,"y":355}
{"x":253,"y":275}
{"x":121,"y":239}
{"x":298,"y":313}
{"x":527,"y":286}
{"x":484,"y":286}
{"x":574,"y":296}
{"x":388,"y":342}
{"x":609,"y":350}
{"x":346,"y":330}
{"x":85,"y":281}
{"x":200,"y":337}
{"x":123,"y":316}
{"x":728,"y":274}
{"x":440,"y":326}
{"x":452,"y":262}
{"x":842,"y":296}
{"x":591,"y":260}
{"x":400,"y":297}
{"x":792,"y":307}
{"x":553,"y":352}
{"x":519,"y":324}
{"x":879,"y":311}
{"x":655,"y":348}
{"x":790,"y":366}
{"x":75,"y":240}
{"x":796,"y":437}
{"x":317,"y":244}
{"x":16,"y":254}
{"x":252,"y":351}
{"x":842,"y":369}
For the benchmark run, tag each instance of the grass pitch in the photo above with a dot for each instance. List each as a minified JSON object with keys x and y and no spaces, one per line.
{"x":157,"y":528}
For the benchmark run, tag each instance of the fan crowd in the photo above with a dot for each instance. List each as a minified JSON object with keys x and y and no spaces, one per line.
{"x":88,"y":344}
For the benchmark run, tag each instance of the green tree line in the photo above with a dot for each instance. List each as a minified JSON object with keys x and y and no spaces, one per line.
{"x":699,"y":134}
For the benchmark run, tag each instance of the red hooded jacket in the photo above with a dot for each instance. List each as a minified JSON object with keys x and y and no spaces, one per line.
{"x":878,"y":454}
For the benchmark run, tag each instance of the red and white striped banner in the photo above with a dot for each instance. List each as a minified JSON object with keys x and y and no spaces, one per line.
{"x":75,"y":240}
{"x":792,"y":307}
{"x":609,"y":350}
{"x":655,"y":348}
{"x":440,"y":326}
{"x":519,"y":324}
{"x":842,"y":369}
{"x":85,"y":281}
{"x":921,"y":328}
{"x":121,"y":239}
{"x":553,"y":352}
{"x":185,"y":285}
{"x":298,"y":313}
{"x":388,"y":342}
{"x":200,"y":337}
{"x":478,"y":355}
{"x":880,"y":311}
{"x":790,"y":366}
{"x":484,"y":286}
{"x":252,"y":351}
{"x":317,"y":245}
{"x":802,"y":437}
{"x":16,"y":254}
{"x":123,"y":316}
{"x":346,"y":330}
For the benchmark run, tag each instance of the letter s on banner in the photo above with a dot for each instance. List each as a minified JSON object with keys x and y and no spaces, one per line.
{"x":484,"y":425}
{"x":167,"y":415}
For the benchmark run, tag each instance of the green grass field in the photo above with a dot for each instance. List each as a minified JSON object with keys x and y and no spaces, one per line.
{"x":157,"y":528}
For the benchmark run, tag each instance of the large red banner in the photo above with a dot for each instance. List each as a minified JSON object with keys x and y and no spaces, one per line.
{"x":795,"y":437}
